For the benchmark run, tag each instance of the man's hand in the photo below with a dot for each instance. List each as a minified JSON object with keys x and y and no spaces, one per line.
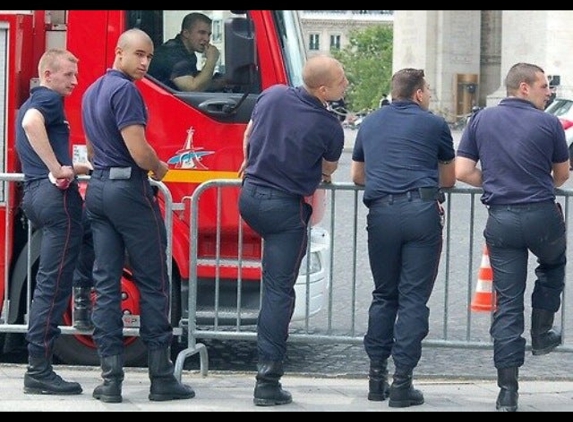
{"x":211,"y":54}
{"x":160,"y":172}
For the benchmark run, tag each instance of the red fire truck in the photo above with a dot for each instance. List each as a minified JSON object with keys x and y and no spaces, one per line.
{"x":198,"y":133}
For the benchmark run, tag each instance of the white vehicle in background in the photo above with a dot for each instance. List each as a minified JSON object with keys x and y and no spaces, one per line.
{"x":563,"y":109}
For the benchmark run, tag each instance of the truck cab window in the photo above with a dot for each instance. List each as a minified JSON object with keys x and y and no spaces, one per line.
{"x":191,"y":51}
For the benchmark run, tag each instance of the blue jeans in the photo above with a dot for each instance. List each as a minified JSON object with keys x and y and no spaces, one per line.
{"x":511,"y":232}
{"x":404,"y":248}
{"x":281,"y":219}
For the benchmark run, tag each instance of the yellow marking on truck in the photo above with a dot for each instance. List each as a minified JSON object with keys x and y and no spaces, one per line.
{"x":197,"y":176}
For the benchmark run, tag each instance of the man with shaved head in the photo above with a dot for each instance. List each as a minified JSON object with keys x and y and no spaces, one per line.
{"x":292,"y":143}
{"x":125,"y":215}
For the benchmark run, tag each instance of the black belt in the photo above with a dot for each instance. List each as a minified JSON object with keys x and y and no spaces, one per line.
{"x":425,"y":194}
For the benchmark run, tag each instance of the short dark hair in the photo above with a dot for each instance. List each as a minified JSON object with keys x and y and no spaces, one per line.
{"x":406,"y":82}
{"x":190,"y":19}
{"x":521,"y":72}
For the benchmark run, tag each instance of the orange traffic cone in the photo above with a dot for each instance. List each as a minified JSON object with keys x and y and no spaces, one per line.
{"x":484,"y":298}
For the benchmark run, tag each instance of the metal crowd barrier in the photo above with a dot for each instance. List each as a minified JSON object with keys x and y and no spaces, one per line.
{"x":347,"y":294}
{"x":5,"y":327}
{"x":343,"y":318}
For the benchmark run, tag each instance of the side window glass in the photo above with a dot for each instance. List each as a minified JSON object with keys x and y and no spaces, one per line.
{"x":190,"y":53}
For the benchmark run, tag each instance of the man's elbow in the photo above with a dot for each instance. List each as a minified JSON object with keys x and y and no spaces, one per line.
{"x":559,"y":181}
{"x":448,"y":183}
{"x":358,"y":181}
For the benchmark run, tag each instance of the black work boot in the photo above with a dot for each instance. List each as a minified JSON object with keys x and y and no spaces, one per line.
{"x":544,"y":338}
{"x":402,"y":393}
{"x":40,"y":378}
{"x":268,"y":389}
{"x":82,"y":312}
{"x":378,"y":387}
{"x":112,"y":373}
{"x":164,"y":385}
{"x":508,"y":395}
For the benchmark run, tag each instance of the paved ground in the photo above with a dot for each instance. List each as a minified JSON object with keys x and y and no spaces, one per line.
{"x":232,"y":392}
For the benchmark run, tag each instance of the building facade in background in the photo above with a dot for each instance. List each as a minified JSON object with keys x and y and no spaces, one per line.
{"x":325,"y":30}
{"x":465,"y":53}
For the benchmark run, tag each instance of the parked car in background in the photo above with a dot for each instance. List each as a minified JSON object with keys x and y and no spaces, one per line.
{"x":563,"y":109}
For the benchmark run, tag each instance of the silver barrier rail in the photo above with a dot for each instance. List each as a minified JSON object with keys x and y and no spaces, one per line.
{"x":6,"y":179}
{"x":343,"y":317}
{"x":340,"y":241}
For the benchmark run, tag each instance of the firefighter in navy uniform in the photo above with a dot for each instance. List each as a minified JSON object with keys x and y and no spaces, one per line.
{"x":290,"y":140}
{"x":42,"y":144}
{"x":403,"y":154}
{"x":124,"y":215}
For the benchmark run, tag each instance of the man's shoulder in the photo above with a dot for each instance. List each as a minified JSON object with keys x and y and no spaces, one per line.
{"x":276,"y":88}
{"x":169,"y":47}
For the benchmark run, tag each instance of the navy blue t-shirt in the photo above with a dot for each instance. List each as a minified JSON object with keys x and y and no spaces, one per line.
{"x":400,"y":145}
{"x":51,"y":105}
{"x":516,"y":145}
{"x":110,"y":104}
{"x":292,"y":132}
{"x":172,"y":60}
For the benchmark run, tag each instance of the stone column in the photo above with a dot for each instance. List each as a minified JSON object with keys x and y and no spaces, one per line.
{"x":543,"y":37}
{"x":446,"y":44}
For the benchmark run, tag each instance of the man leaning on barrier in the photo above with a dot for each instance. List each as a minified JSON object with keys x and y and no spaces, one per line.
{"x":525,"y":161}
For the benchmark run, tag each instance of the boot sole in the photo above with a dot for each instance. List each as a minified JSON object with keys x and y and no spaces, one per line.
{"x":31,"y":390}
{"x":270,"y":402}
{"x":377,"y":397}
{"x":404,"y":403}
{"x":108,"y":399}
{"x":81,"y":327}
{"x":545,"y":351}
{"x":506,"y":408}
{"x":159,"y":397}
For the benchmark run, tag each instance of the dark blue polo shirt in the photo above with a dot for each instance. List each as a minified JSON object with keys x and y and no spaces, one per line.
{"x":400,"y":145}
{"x":51,"y":105}
{"x":292,"y":132}
{"x":172,"y":60}
{"x":516,"y":145}
{"x":110,"y":104}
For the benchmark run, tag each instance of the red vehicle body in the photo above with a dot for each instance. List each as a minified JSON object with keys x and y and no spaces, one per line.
{"x":198,"y":133}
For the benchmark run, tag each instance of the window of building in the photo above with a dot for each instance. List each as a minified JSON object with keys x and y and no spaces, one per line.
{"x":314,"y":42}
{"x":335,"y":42}
{"x":217,"y":29}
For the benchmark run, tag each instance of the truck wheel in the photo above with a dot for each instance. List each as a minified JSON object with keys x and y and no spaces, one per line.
{"x":80,"y":349}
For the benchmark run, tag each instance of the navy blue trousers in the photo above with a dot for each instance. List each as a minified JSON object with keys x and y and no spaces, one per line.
{"x":125,"y":217}
{"x":58,"y":214}
{"x":281,"y":220}
{"x":404,"y":248}
{"x":84,"y":267}
{"x":511,"y":232}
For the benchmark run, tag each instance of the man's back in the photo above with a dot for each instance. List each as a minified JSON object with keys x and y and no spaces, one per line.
{"x":292,"y":130}
{"x":517,"y":145}
{"x":406,"y":142}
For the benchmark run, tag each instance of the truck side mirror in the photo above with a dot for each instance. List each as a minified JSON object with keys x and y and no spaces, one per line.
{"x":240,"y":53}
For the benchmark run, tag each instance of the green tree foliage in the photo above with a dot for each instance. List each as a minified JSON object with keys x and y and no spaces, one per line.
{"x":367,"y":60}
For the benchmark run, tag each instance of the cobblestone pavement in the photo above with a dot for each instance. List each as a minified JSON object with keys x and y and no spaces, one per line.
{"x":351,"y":360}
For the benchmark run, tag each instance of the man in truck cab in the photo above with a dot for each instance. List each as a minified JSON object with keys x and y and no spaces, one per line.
{"x":175,"y":63}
